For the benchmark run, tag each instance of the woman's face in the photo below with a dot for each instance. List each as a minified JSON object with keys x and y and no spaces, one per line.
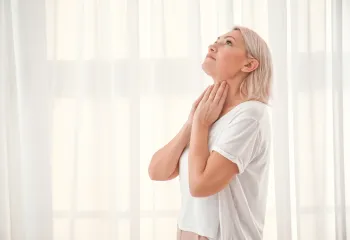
{"x":226,"y":57}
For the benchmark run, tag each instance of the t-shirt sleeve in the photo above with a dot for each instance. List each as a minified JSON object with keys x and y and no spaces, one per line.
{"x":238,"y":142}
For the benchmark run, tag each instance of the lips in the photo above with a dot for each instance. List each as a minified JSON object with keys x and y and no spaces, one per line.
{"x":211,"y":57}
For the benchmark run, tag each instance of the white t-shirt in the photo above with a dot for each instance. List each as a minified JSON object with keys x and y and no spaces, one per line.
{"x":238,"y":211}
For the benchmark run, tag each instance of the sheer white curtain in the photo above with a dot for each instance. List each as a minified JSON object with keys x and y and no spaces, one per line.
{"x":90,"y":89}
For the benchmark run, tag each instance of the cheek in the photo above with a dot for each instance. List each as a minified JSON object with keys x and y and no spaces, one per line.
{"x":229,"y":63}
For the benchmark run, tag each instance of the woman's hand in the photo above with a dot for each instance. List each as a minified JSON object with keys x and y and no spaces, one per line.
{"x":211,"y":104}
{"x":194,"y":107}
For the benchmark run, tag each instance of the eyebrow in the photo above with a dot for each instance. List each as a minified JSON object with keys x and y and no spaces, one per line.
{"x":229,"y":36}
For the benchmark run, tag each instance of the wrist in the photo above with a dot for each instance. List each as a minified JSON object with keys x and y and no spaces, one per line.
{"x":188,"y":126}
{"x":200,"y":125}
{"x":186,"y":130}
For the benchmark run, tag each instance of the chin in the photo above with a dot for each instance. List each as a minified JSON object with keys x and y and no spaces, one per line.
{"x":209,"y":71}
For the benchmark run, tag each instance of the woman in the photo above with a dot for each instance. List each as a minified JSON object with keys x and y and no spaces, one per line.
{"x":221,"y":153}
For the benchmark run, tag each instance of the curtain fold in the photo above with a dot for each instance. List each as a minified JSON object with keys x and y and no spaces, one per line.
{"x":278,"y":42}
{"x":26,"y":135}
{"x":90,"y":89}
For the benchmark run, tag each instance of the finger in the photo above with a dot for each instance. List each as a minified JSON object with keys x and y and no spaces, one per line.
{"x":198,"y":100}
{"x":220,"y":92}
{"x":224,"y":96}
{"x":201,"y":96}
{"x":207,"y":93}
{"x":213,"y":92}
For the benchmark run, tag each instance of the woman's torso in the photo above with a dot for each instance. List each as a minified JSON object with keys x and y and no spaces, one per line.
{"x":241,"y":205}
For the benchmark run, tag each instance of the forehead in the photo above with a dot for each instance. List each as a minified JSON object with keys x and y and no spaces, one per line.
{"x":236,"y":34}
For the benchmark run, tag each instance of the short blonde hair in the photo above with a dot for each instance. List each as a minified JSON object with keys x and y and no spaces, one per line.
{"x":257,"y":86}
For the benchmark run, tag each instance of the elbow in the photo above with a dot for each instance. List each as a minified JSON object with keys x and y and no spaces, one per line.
{"x":155,"y":171}
{"x":197,"y":190}
{"x":152,"y":174}
{"x":156,"y":175}
{"x":200,"y":189}
{"x":195,"y":193}
{"x":151,"y":170}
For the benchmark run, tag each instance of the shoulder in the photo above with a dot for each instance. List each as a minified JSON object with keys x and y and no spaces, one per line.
{"x":251,"y":111}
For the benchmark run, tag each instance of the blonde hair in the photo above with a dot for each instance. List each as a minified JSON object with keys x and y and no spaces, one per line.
{"x":257,"y":86}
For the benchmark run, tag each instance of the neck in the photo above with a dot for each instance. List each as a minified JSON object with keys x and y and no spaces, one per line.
{"x":233,"y":97}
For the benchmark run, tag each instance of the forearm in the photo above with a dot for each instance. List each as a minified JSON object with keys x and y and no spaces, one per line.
{"x":165,"y":160}
{"x":198,"y":153}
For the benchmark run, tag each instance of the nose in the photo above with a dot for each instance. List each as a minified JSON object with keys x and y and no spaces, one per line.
{"x":212,"y":48}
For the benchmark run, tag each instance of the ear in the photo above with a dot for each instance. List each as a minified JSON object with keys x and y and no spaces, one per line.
{"x":251,"y":65}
